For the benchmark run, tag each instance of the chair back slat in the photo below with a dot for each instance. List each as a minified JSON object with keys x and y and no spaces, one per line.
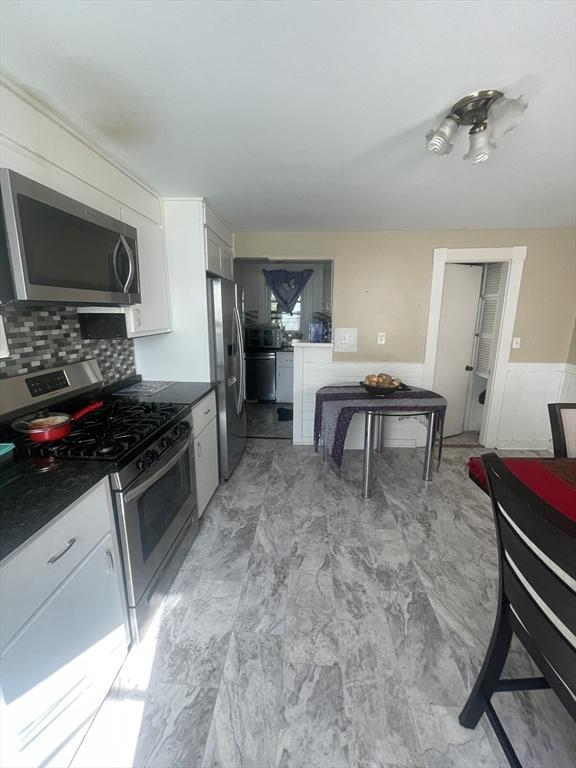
{"x":553,"y":586}
{"x":538,"y":575}
{"x":563,"y":426}
{"x":551,"y":643}
{"x":548,"y":671}
{"x":535,"y":520}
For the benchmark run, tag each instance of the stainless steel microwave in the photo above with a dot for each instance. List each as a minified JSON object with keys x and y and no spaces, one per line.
{"x":55,"y":249}
{"x":264,"y":337}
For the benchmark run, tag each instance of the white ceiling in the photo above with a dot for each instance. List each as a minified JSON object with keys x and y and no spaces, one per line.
{"x":311,"y":115}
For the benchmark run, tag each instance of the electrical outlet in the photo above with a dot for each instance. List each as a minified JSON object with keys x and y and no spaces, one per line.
{"x":381,"y":338}
{"x":516,"y":342}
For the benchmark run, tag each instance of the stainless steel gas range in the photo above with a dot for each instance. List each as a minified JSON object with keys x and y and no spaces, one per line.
{"x":149,"y":448}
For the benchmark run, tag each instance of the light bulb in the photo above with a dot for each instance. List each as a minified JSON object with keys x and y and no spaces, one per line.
{"x":438,"y":141}
{"x":480,"y":145}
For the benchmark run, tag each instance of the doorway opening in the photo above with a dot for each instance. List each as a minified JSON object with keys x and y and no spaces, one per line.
{"x":472,"y":310}
{"x":472,"y":301}
{"x":271,"y":322}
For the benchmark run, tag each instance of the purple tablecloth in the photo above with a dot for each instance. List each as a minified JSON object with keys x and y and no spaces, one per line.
{"x":336,"y":405}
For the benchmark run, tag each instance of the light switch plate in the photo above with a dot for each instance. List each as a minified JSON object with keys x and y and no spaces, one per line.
{"x":345,"y":339}
{"x":4,"y":351}
{"x":381,"y":338}
{"x":516,"y":341}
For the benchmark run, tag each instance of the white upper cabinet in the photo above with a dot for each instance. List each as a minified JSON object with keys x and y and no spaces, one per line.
{"x":197,"y":241}
{"x":37,"y":146}
{"x":218,"y":245}
{"x":153,"y":314}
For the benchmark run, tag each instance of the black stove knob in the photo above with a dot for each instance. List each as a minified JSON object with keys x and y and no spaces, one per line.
{"x":152,"y":456}
{"x":141,"y":464}
{"x":166,"y":442}
{"x":182,"y":428}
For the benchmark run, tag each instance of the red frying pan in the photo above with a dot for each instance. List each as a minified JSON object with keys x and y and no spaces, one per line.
{"x":48,"y":426}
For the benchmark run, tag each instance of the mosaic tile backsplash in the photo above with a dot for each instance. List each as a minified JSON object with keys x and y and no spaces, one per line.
{"x":45,"y":337}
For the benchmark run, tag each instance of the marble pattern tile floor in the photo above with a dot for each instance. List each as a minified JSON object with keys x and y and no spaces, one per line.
{"x":262,"y":421}
{"x":309,"y":628}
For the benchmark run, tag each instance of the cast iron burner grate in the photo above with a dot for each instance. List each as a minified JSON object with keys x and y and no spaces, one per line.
{"x":105,"y":434}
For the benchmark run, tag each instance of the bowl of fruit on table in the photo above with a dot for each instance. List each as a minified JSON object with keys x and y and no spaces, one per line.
{"x":381,"y":384}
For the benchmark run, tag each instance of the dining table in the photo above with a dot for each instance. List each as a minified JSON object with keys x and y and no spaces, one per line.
{"x":337,"y":404}
{"x":552,"y":480}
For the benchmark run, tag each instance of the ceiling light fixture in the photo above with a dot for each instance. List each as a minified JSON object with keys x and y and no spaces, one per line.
{"x":490,"y":115}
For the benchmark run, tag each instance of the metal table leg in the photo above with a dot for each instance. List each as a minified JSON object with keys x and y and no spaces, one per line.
{"x":368,"y":456}
{"x":430,"y":437}
{"x":380,"y":433}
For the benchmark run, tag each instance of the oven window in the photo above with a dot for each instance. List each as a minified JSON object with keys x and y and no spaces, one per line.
{"x":159,"y":505}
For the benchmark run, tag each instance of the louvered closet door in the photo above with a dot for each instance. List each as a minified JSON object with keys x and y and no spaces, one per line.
{"x":487,"y":318}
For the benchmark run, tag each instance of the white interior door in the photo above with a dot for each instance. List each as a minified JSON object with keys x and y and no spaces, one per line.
{"x":460,"y":297}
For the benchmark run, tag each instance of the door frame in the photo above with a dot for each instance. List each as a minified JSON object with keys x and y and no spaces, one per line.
{"x":515,"y":256}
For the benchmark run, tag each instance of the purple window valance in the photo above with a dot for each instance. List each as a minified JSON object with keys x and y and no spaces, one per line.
{"x":287,"y":286}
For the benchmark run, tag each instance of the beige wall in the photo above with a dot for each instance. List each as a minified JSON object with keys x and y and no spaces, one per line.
{"x":382,"y":283}
{"x":571,"y":358}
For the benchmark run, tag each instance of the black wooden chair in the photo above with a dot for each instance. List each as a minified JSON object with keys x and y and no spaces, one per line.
{"x":563,"y":424}
{"x":536,"y":601}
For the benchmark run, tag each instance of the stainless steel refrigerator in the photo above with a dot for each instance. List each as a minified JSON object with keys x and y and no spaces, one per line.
{"x":225,"y":307}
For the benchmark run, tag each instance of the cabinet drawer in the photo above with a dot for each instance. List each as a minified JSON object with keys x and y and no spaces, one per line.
{"x":28,"y":578}
{"x":203,"y":412}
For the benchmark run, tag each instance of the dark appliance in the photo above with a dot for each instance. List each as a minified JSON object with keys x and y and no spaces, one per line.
{"x":261,"y":376}
{"x":56,"y":249}
{"x":149,"y":447}
{"x":264,"y":337}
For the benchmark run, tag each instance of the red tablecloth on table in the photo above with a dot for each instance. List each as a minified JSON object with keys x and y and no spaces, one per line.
{"x":553,"y":480}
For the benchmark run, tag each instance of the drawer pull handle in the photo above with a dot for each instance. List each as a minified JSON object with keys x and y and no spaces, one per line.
{"x":207,"y":412}
{"x":68,"y":546}
{"x":110,"y":559}
{"x":199,"y":450}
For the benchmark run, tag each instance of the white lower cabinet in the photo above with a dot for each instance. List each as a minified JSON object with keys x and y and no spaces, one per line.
{"x":206,"y":462}
{"x":284,"y":377}
{"x":60,"y":665}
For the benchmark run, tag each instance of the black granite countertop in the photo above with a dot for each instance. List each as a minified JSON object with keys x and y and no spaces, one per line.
{"x":30,"y":499}
{"x":183,"y":392}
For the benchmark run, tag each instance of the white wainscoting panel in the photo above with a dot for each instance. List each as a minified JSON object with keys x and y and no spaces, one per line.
{"x":523,"y":424}
{"x":311,"y":374}
{"x":568,"y":385}
{"x":529,"y":387}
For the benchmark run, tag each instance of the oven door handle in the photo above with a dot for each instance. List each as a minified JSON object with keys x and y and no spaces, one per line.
{"x":166,"y":466}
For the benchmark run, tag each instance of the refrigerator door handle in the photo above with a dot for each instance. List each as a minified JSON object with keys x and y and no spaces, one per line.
{"x":242,"y":362}
{"x":239,"y":398}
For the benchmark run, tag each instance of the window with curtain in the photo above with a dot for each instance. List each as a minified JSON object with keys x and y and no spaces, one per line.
{"x":278,"y":317}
